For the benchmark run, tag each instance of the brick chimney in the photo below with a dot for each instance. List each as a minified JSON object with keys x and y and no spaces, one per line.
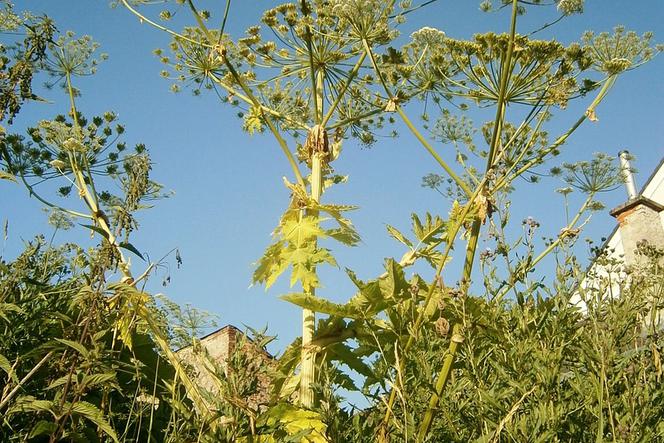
{"x":638,"y":219}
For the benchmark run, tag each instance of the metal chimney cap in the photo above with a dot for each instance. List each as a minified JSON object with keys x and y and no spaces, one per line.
{"x":626,"y":171}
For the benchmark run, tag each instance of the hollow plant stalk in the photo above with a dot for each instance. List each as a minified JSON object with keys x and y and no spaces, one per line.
{"x":457,"y":337}
{"x":308,"y":357}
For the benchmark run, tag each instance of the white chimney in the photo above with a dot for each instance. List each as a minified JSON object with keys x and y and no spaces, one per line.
{"x":626,"y":170}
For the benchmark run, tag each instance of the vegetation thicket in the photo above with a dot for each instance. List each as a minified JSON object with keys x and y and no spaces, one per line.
{"x":87,"y":354}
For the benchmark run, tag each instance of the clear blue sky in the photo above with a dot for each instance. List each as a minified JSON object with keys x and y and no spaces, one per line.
{"x":227,"y":184}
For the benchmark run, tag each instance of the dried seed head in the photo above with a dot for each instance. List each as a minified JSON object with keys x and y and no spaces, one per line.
{"x":218,"y":53}
{"x":442,"y":326}
{"x":392,"y":104}
{"x":317,"y":143}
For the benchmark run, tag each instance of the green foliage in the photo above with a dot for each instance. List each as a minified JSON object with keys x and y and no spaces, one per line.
{"x":19,"y":60}
{"x":61,"y":328}
{"x":85,"y":355}
{"x":296,"y":240}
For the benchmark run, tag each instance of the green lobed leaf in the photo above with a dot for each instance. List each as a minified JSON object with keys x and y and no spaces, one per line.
{"x":394,"y":233}
{"x":299,"y":232}
{"x":346,"y":356}
{"x":318,"y":304}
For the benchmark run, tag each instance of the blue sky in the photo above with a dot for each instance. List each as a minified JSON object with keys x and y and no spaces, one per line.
{"x":228,"y":191}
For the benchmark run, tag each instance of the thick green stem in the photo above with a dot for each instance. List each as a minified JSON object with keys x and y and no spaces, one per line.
{"x":308,"y":362}
{"x":505,"y":75}
{"x":443,"y":377}
{"x":88,"y":194}
{"x":471,"y":248}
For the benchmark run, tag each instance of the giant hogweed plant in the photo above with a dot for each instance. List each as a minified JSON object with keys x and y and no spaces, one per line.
{"x":314,"y":73}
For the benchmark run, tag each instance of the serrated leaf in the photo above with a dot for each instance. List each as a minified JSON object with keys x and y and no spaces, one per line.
{"x":299,"y":232}
{"x":318,"y":304}
{"x":296,"y":422}
{"x":369,"y":299}
{"x":394,"y":233}
{"x":43,"y":427}
{"x":433,"y":257}
{"x":429,"y":231}
{"x":348,"y":237}
{"x":6,"y":366}
{"x":97,"y":229}
{"x":98,"y":379}
{"x":28,"y":403}
{"x":129,"y":247}
{"x":346,"y":356}
{"x":58,"y":382}
{"x":74,"y":345}
{"x":92,"y":413}
{"x":270,"y":266}
{"x":302,"y":273}
{"x":394,"y":283}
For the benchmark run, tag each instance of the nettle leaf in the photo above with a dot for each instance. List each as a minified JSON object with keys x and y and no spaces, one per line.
{"x":94,"y":414}
{"x":105,"y":378}
{"x":28,"y":403}
{"x":43,"y":427}
{"x":74,"y":345}
{"x":6,"y":366}
{"x":58,"y":382}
